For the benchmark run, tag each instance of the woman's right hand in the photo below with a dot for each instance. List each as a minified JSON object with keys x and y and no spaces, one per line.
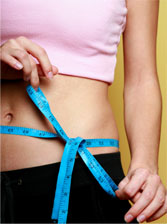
{"x":16,"y":54}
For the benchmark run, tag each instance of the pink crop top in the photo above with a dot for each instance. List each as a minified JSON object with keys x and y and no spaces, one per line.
{"x":80,"y":36}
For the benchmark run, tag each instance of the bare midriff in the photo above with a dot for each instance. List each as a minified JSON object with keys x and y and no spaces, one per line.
{"x":80,"y":105}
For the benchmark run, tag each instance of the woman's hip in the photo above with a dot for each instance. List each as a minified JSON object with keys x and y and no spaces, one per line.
{"x":27,"y":194}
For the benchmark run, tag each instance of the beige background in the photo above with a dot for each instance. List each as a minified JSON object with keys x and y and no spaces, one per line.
{"x":116,"y":98}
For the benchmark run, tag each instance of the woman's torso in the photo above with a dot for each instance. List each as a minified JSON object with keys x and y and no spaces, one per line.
{"x":80,"y":105}
{"x":81,"y":39}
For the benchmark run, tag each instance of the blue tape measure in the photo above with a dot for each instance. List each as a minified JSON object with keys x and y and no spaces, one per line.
{"x":72,"y":147}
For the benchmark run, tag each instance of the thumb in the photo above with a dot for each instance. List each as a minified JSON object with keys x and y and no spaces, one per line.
{"x":121,"y":186}
{"x":123,"y":182}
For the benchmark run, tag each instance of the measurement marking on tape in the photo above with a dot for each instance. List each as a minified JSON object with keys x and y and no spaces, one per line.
{"x":72,"y":147}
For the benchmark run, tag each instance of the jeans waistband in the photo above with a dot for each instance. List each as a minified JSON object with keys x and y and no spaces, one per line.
{"x":111,"y":162}
{"x":40,"y":178}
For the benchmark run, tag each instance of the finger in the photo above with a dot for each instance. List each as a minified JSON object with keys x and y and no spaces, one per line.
{"x":121,"y":185}
{"x":23,"y":57}
{"x":55,"y":70}
{"x":39,"y":53}
{"x":136,"y":197}
{"x":13,"y":49}
{"x":41,"y":73}
{"x":162,"y":211}
{"x":156,"y":203}
{"x":10,"y":60}
{"x":145,"y":199}
{"x":124,"y":182}
{"x":135,"y":184}
{"x":34,"y":78}
{"x":131,"y":188}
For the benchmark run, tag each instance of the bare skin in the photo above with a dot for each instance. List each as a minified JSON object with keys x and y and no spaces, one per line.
{"x":88,"y":115}
{"x":75,"y":102}
{"x":142,"y":112}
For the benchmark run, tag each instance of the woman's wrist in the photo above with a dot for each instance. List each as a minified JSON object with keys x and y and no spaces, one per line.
{"x":151,"y":166}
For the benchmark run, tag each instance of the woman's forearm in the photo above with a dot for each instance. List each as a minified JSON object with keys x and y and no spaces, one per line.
{"x":142,"y":113}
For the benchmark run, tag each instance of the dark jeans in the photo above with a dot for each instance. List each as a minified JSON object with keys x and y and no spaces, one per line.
{"x":27,"y":194}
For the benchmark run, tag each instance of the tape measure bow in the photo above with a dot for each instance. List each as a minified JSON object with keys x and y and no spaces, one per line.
{"x":72,"y":147}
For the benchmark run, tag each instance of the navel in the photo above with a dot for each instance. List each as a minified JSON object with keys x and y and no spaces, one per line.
{"x":8,"y":118}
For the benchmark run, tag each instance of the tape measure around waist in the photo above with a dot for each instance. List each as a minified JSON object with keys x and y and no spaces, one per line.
{"x":72,"y":147}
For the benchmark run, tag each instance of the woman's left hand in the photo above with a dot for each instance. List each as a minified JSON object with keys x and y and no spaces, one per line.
{"x":146,"y":191}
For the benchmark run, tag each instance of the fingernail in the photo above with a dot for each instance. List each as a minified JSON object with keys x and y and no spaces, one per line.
{"x":19,"y":65}
{"x":128,"y":218}
{"x":50,"y":75}
{"x":141,"y":218}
